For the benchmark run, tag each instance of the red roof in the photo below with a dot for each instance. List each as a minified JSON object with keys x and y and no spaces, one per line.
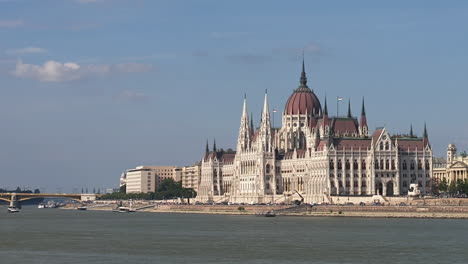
{"x":411,"y":144}
{"x":303,"y":101}
{"x":377,"y":134}
{"x":352,"y":143}
{"x":345,"y":125}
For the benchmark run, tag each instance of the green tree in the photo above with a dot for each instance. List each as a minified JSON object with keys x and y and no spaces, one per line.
{"x":37,"y":191}
{"x":443,"y":185}
{"x":452,"y":189}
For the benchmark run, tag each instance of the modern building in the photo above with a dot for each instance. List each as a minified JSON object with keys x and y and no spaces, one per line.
{"x":454,"y":168}
{"x":191,"y":176}
{"x":144,"y":179}
{"x":314,"y":157}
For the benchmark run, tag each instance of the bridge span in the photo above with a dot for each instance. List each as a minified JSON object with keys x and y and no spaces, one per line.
{"x":16,"y":198}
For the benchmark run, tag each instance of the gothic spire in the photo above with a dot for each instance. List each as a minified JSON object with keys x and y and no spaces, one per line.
{"x":425,"y":136}
{"x":214,"y":145}
{"x":325,"y":109}
{"x":363,"y":110}
{"x":349,"y":108}
{"x":252,"y":128}
{"x":411,"y":130}
{"x":207,"y":148}
{"x":265,"y":104}
{"x":425,"y":131}
{"x":363,"y":125}
{"x":303,"y":80}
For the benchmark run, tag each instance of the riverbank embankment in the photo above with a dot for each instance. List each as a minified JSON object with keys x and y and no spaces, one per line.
{"x":429,"y":210}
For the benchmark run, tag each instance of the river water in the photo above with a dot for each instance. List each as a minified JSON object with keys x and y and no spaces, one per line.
{"x":71,"y":236}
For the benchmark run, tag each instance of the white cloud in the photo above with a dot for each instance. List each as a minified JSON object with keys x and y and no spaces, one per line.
{"x":53,"y":71}
{"x":25,"y":51}
{"x":11,"y":23}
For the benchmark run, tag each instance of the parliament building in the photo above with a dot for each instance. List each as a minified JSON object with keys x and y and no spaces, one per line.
{"x":314,"y":157}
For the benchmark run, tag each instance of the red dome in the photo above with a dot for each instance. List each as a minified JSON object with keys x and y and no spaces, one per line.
{"x":303,"y":101}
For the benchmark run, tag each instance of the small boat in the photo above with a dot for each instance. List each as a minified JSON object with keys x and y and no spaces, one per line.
{"x":41,"y":206}
{"x":123,"y":209}
{"x":270,"y":214}
{"x":267,"y":214}
{"x":13,"y":209}
{"x":82,"y":208}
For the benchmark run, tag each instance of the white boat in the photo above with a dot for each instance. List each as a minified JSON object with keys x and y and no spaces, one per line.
{"x":41,"y":206}
{"x":13,"y":209}
{"x":123,"y":209}
{"x":82,"y":208}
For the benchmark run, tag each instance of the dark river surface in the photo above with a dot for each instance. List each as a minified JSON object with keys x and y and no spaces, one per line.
{"x":71,"y":236}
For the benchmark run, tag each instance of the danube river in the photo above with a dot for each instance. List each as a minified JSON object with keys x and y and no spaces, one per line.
{"x":70,"y":236}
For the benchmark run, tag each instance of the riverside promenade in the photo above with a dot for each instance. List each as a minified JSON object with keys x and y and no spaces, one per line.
{"x":418,"y":208}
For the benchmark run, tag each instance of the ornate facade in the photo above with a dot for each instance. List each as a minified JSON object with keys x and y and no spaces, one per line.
{"x":453,"y":169}
{"x":313,"y":157}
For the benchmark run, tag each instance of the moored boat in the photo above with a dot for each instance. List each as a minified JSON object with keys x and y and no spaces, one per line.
{"x":123,"y":209}
{"x":82,"y":208}
{"x":13,"y":209}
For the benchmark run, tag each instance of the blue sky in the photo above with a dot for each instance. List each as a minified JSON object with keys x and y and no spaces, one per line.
{"x":90,"y":88}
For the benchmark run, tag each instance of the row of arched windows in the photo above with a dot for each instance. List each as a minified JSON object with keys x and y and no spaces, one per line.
{"x":347,"y":164}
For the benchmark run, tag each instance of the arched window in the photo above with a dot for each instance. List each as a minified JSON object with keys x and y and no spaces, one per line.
{"x":427,"y":164}
{"x":348,"y":166}
{"x":405,"y":166}
{"x":363,"y":184}
{"x":386,"y":146}
{"x":267,"y":169}
{"x":419,"y":165}
{"x":387,"y":165}
{"x":332,"y":165}
{"x":355,"y":164}
{"x":363,"y":164}
{"x":381,"y":164}
{"x":381,"y":145}
{"x":393,"y":164}
{"x":412,"y":165}
{"x":376,"y":164}
{"x":339,"y":164}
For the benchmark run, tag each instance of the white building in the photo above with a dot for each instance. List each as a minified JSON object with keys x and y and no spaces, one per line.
{"x":314,"y":157}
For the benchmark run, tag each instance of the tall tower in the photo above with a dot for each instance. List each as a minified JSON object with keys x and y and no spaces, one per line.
{"x":363,"y":129}
{"x":451,"y":153}
{"x":245,"y":136}
{"x":264,"y":139}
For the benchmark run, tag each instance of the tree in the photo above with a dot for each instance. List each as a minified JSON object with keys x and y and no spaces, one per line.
{"x":443,"y":185}
{"x":37,"y":191}
{"x":452,"y":189}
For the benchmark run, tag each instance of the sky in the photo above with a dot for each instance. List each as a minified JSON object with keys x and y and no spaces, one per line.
{"x":90,"y":88}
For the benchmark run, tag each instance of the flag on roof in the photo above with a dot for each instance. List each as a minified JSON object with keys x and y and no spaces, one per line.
{"x":274,"y":111}
{"x":340,"y":98}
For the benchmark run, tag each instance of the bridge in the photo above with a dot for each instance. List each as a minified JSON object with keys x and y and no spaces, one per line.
{"x":15,"y":199}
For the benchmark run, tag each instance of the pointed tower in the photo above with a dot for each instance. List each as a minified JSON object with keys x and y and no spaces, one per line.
{"x":425,"y":136}
{"x":411,"y":134}
{"x":363,"y":129}
{"x":243,"y":140}
{"x":252,"y":128}
{"x":214,"y":146}
{"x":325,"y":128}
{"x":264,"y":139}
{"x":207,"y":150}
{"x":349,"y":108}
